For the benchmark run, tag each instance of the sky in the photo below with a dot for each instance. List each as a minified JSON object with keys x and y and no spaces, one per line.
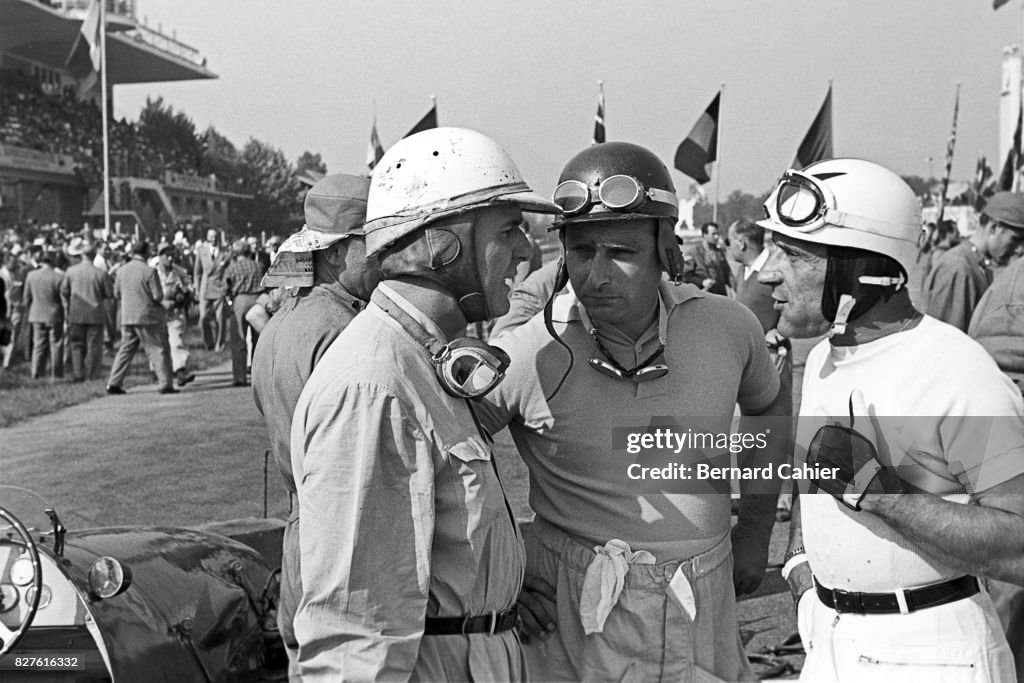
{"x":309,"y":75}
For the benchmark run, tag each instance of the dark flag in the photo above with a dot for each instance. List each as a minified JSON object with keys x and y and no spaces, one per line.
{"x":1011,"y":167}
{"x":428,"y":121}
{"x":950,"y":146}
{"x":817,"y":144}
{"x":375,"y":150}
{"x":996,"y":4}
{"x":699,"y":150}
{"x":599,"y":117}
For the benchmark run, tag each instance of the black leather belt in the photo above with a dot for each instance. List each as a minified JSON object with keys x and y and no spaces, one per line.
{"x":495,"y":622}
{"x":889,"y":603}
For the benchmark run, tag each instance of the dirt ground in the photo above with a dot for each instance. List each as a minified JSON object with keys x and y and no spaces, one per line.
{"x":201,"y":456}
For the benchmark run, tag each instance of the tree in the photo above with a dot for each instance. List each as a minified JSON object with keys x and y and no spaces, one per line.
{"x":270,"y":179}
{"x":172,"y":135}
{"x":310,"y":162}
{"x":221,"y":159}
{"x":737,"y":205}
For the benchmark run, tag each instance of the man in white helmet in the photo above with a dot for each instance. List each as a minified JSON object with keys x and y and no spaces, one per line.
{"x":411,"y":559}
{"x":914,"y":439}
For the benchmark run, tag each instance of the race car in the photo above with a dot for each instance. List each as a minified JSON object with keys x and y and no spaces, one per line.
{"x":136,"y":604}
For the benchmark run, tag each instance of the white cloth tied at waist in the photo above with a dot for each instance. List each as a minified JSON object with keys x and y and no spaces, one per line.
{"x":606,"y":576}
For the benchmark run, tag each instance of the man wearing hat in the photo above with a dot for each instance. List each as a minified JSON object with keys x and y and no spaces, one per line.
{"x":326,"y":263}
{"x":960,"y":277}
{"x":143,"y":321}
{"x":411,"y":558}
{"x":46,"y":316}
{"x":84,"y":291}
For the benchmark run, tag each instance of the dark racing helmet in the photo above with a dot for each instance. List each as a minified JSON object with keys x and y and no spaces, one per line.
{"x":621,"y":181}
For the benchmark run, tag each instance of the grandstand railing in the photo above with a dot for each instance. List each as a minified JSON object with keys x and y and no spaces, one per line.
{"x":166,"y":44}
{"x":124,"y":8}
{"x":19,"y":157}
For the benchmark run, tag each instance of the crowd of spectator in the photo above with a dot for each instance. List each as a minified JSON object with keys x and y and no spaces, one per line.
{"x":59,"y":123}
{"x":53,"y":250}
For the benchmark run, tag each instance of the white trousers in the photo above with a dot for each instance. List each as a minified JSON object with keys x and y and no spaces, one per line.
{"x":958,"y":642}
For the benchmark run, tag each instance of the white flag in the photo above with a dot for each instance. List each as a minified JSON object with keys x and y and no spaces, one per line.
{"x":91,"y":33}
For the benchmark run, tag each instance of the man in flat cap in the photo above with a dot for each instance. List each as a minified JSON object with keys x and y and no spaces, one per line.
{"x":327,"y":264}
{"x":959,"y":278}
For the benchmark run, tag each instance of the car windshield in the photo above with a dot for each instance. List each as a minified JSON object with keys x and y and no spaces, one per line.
{"x":28,"y":507}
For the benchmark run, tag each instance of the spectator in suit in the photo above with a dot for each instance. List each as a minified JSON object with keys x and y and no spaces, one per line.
{"x":211,"y":260}
{"x":84,"y":291}
{"x":46,"y":315}
{"x":143,"y":321}
{"x":711,"y":268}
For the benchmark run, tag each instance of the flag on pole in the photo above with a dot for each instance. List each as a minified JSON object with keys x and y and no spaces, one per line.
{"x":817,"y":144}
{"x":428,"y":121}
{"x":599,"y":135}
{"x":699,"y":150}
{"x":984,"y":182}
{"x":1008,"y":179}
{"x":950,"y":146}
{"x":90,"y":33}
{"x":375,"y":150}
{"x":996,"y":4}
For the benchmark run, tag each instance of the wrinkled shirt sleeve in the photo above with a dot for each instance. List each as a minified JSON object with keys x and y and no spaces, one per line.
{"x":365,"y":475}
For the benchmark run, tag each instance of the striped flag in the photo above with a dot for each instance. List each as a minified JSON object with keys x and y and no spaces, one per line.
{"x":699,"y":150}
{"x":950,"y":146}
{"x":817,"y":144}
{"x":1009,"y":178}
{"x":428,"y":121}
{"x":375,"y":150}
{"x":599,"y":117}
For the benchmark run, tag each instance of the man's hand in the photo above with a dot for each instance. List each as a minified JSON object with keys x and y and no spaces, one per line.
{"x":750,"y":556}
{"x":708,"y":282}
{"x":537,"y":610}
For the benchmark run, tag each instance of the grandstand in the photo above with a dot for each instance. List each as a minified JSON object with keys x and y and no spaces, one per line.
{"x":50,"y":122}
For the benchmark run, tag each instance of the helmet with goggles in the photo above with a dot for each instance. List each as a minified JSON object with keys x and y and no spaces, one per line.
{"x":615,"y":180}
{"x":848,"y":203}
{"x":621,"y":181}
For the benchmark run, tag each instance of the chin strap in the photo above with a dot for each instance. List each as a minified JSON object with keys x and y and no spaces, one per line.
{"x":846,"y":304}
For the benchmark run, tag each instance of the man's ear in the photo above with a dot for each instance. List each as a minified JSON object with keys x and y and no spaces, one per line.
{"x":335,"y":254}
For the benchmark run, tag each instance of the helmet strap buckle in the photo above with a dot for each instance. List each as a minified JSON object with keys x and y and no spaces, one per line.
{"x":846,"y":304}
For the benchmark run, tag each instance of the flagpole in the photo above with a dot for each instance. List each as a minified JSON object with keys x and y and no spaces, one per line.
{"x":103,"y":109}
{"x":950,"y":147}
{"x":718,"y":154}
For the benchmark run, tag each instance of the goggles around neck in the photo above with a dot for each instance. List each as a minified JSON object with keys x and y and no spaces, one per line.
{"x":465,"y":367}
{"x":645,"y":371}
{"x":803,"y":203}
{"x":618,"y":193}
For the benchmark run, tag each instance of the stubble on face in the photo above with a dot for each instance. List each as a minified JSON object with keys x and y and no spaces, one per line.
{"x":796,"y":272}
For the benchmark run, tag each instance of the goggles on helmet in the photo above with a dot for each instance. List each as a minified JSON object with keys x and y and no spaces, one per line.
{"x":468,"y":368}
{"x":619,"y":193}
{"x":805,"y":204}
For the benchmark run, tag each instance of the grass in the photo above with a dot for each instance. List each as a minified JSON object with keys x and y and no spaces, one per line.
{"x":22,"y":397}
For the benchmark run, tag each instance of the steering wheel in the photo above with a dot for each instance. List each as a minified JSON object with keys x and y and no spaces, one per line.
{"x":9,"y":638}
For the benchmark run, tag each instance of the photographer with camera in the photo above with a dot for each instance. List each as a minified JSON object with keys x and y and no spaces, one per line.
{"x":178,"y":296}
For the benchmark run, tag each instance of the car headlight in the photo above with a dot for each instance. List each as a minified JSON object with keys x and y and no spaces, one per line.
{"x":108,"y":577}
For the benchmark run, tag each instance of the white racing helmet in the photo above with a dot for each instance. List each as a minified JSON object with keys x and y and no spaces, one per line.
{"x":848,"y":203}
{"x":437,"y":173}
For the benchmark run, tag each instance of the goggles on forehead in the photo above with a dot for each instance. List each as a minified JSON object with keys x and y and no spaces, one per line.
{"x":618,"y":193}
{"x":644,"y":372}
{"x":805,"y":204}
{"x":469,"y":368}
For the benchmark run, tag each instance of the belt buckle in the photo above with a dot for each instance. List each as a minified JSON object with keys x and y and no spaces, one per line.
{"x":851,"y":601}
